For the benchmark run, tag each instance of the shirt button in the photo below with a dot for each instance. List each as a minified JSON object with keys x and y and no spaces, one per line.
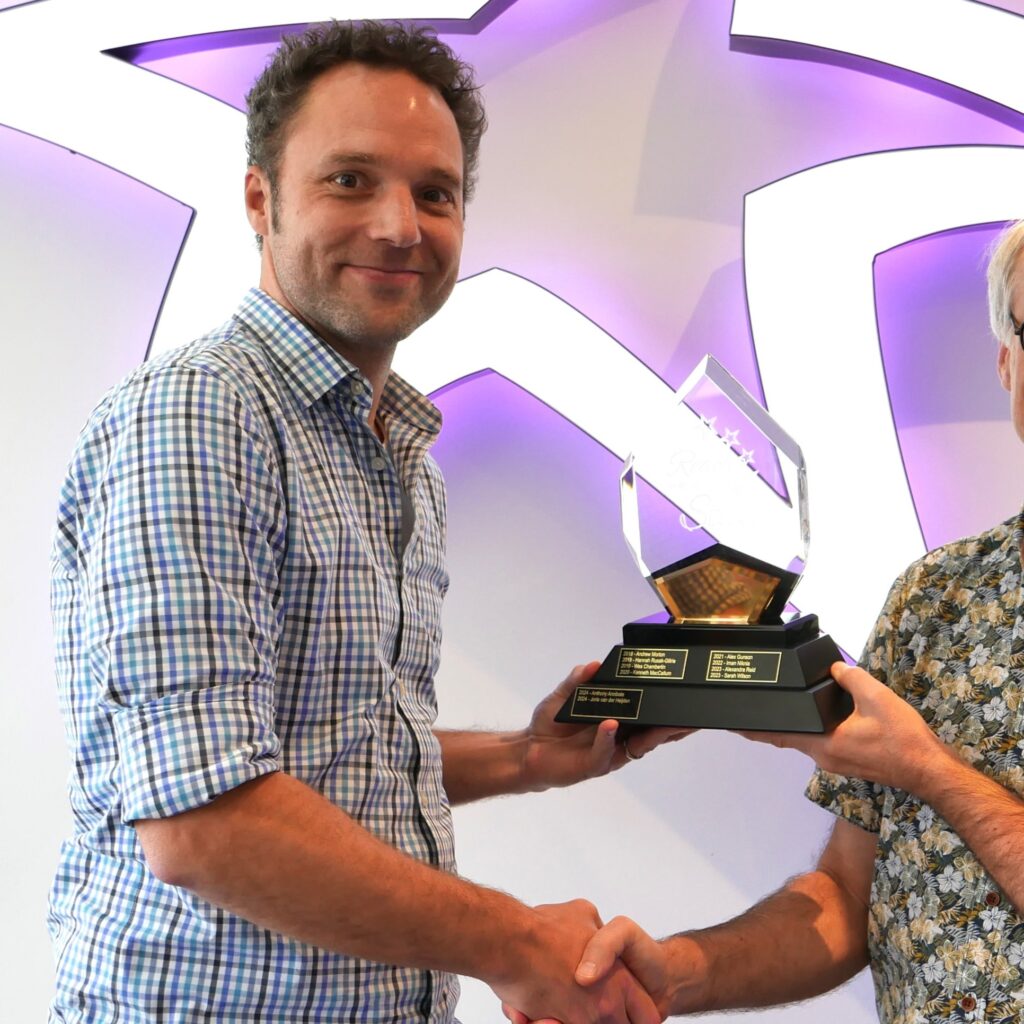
{"x":968,"y":1003}
{"x":356,"y":387}
{"x":378,"y":463}
{"x":993,"y":899}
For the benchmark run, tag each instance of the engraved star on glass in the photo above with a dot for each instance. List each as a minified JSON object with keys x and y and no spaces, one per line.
{"x":714,"y":504}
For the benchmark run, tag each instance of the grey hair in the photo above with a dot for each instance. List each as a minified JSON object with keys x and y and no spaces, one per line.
{"x":1004,"y":254}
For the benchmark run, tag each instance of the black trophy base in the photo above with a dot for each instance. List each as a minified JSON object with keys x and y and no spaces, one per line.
{"x":772,"y":678}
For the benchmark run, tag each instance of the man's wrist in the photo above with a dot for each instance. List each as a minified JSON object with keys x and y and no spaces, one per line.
{"x":525,"y":934}
{"x":689,"y":975}
{"x":520,"y":775}
{"x":530,"y":761}
{"x":478,"y":765}
{"x":936,"y":766}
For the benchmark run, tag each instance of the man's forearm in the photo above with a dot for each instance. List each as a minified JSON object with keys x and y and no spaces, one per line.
{"x":988,"y":817}
{"x":802,"y":941}
{"x":277,"y":853}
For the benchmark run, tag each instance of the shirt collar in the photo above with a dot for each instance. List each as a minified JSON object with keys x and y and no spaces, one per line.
{"x":401,"y":403}
{"x":310,"y":365}
{"x":313,"y":368}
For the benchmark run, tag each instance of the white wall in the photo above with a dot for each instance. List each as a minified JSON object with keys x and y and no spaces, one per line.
{"x":624,"y":137}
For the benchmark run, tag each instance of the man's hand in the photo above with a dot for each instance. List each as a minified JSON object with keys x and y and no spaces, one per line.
{"x":885,"y":740}
{"x":624,"y":940}
{"x":545,"y":754}
{"x":619,"y":942}
{"x":612,"y":997}
{"x":559,"y":755}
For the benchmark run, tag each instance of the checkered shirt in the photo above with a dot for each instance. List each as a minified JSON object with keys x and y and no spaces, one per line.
{"x":227,"y":603}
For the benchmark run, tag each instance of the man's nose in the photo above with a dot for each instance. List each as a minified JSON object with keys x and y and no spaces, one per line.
{"x":395,"y":218}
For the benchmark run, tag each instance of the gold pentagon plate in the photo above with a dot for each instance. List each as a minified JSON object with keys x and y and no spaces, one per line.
{"x":715,"y":591}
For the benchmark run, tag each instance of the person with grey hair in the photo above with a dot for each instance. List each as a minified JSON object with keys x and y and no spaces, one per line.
{"x":1002,"y":267}
{"x":923,"y":875}
{"x":247,"y":580}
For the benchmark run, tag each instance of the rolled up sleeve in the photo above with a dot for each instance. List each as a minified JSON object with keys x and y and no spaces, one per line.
{"x":181,"y":558}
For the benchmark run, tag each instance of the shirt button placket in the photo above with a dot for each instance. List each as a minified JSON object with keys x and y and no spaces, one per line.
{"x":356,"y":390}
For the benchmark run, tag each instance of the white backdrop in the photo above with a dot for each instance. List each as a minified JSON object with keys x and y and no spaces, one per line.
{"x":575,"y":196}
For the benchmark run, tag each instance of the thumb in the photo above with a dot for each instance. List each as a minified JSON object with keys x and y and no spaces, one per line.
{"x":854,"y":680}
{"x":584,"y":673}
{"x":577,"y":677}
{"x":606,"y":946}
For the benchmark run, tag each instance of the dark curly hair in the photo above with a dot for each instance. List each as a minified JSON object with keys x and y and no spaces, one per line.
{"x":279,"y":91}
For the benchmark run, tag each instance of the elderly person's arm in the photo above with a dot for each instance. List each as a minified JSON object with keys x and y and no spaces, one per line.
{"x":801,"y":941}
{"x":886,"y":741}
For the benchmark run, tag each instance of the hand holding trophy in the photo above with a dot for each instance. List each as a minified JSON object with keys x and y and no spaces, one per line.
{"x":715,"y":494}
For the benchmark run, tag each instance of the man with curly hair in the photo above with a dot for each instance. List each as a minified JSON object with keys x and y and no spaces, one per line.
{"x":247,"y":581}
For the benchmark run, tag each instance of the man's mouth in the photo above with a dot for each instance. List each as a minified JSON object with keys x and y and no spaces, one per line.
{"x":383,"y":275}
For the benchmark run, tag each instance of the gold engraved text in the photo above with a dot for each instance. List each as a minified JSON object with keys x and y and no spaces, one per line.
{"x":743,"y":666}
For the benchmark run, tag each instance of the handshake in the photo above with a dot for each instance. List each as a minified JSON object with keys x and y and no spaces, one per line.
{"x":586,"y":973}
{"x":801,"y":941}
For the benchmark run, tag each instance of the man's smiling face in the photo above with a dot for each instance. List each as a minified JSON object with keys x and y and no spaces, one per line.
{"x":363,"y":232}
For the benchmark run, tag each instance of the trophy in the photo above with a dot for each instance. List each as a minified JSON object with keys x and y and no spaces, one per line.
{"x":714,"y":494}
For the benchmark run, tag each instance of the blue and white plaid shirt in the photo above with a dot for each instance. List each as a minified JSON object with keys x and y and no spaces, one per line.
{"x":228,"y":602}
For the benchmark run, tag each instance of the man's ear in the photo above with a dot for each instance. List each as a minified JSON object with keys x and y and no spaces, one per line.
{"x":1003,"y":365}
{"x":257,"y":199}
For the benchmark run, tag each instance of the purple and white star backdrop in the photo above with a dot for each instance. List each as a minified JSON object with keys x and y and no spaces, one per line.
{"x":639,"y":150}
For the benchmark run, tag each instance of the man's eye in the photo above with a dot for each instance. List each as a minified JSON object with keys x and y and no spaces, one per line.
{"x":438,"y":195}
{"x":346,"y":179}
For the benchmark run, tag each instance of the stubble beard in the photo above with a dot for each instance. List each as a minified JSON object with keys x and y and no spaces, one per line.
{"x":341,"y":322}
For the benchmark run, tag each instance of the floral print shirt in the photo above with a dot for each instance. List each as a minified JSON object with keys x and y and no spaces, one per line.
{"x":945,"y":943}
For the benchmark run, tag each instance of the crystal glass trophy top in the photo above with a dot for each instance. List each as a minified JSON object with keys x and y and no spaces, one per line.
{"x":714,"y":512}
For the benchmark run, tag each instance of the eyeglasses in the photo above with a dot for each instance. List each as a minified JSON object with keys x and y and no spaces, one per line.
{"x":1018,"y":329}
